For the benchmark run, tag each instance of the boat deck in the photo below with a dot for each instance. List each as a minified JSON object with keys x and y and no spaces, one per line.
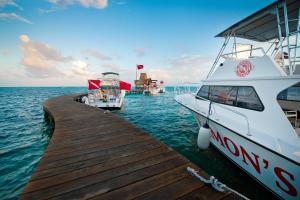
{"x":97,"y":155}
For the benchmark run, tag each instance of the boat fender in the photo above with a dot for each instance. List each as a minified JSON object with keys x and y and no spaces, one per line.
{"x":204,"y":135}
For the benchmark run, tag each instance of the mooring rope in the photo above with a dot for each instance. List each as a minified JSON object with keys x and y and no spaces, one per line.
{"x":215,"y":183}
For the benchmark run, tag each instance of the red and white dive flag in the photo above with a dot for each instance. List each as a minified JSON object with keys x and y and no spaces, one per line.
{"x":140,"y":67}
{"x":94,"y":84}
{"x":125,"y":86}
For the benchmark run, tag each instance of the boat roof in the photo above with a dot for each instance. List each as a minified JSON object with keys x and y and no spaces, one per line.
{"x":262,"y":25}
{"x":108,"y":73}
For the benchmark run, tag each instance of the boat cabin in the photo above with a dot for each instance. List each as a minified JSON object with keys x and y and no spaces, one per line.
{"x":262,"y":57}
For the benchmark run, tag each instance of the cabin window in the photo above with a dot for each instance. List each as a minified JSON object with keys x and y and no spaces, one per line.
{"x":247,"y":98}
{"x":238,"y":96}
{"x":223,"y":94}
{"x":290,"y":94}
{"x":203,"y":92}
{"x":289,"y":101}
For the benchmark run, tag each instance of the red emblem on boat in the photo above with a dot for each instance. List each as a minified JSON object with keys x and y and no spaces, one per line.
{"x":244,"y":68}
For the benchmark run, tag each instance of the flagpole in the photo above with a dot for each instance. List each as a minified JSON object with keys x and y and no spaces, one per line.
{"x":135,"y":76}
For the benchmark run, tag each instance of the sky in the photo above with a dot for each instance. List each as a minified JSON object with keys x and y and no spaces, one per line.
{"x":67,"y":42}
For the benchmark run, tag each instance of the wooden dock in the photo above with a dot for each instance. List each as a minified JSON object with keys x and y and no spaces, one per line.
{"x":98,"y":155}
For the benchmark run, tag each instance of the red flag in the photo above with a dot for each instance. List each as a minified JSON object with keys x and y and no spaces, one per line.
{"x":94,"y":84}
{"x":125,"y":86}
{"x":140,"y":67}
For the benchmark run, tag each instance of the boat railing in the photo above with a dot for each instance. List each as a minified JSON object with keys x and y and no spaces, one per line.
{"x":226,"y":108}
{"x":238,"y":113}
{"x":235,"y":53}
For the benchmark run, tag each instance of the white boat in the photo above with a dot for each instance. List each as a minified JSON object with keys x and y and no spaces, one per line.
{"x":161,"y":87}
{"x":248,"y":106}
{"x":107,"y":92}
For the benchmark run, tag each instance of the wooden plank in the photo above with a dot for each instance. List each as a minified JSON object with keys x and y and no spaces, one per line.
{"x":95,"y":161}
{"x":149,"y":156}
{"x":120,"y":181}
{"x":174,"y":190}
{"x":51,"y":164}
{"x":98,"y":147}
{"x":76,"y":184}
{"x":93,"y":138}
{"x":205,"y":193}
{"x":102,"y":156}
{"x":147,"y":185}
{"x":96,"y":143}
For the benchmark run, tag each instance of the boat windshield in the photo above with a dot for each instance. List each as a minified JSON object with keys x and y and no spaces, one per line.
{"x":113,"y":91}
{"x":289,"y":100}
{"x":110,"y":76}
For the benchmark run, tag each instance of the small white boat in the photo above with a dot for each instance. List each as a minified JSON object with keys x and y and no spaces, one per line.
{"x":107,"y":92}
{"x":161,"y":87}
{"x":248,"y":106}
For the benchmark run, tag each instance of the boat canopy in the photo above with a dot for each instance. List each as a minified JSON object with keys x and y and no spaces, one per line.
{"x":109,"y":73}
{"x":262,"y":25}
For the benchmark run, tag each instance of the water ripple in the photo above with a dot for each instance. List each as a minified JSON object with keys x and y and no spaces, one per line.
{"x":24,"y":134}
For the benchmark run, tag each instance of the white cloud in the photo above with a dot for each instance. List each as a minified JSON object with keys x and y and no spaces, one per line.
{"x":5,"y":52}
{"x":139,"y":52}
{"x":94,"y":3}
{"x":43,"y":62}
{"x":14,"y":16}
{"x":112,"y":67}
{"x":45,"y":11}
{"x":4,"y":3}
{"x":98,"y":4}
{"x":184,"y":69}
{"x":120,"y":2}
{"x":40,"y":60}
{"x":81,"y":68}
{"x":24,"y":38}
{"x":96,"y":54}
{"x":179,"y":70}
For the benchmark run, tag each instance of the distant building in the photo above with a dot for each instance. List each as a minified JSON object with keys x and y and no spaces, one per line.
{"x":144,"y":80}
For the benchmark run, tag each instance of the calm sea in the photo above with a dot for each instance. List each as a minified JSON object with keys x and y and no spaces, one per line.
{"x":25,"y":133}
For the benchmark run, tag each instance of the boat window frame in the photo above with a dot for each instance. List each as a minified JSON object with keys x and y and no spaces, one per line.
{"x":236,"y":96}
{"x":287,"y":99}
{"x":202,"y":98}
{"x":263,"y":107}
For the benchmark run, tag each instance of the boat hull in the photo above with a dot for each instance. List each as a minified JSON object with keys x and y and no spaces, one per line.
{"x":275,"y":172}
{"x":109,"y":105}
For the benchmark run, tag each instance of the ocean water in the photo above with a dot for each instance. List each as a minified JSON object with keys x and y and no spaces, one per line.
{"x":25,"y":133}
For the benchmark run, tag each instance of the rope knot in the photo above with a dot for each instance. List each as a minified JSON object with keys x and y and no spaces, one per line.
{"x":215,"y":183}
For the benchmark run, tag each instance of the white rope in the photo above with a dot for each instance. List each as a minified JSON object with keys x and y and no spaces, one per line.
{"x":215,"y":183}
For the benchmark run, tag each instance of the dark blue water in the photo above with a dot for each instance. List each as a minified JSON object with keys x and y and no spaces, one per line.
{"x":25,"y":133}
